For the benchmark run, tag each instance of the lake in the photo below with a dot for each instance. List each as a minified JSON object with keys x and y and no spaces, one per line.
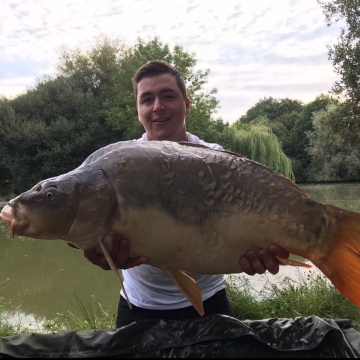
{"x":38,"y":277}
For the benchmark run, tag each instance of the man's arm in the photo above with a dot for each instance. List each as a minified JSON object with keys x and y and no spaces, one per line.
{"x":253,"y":263}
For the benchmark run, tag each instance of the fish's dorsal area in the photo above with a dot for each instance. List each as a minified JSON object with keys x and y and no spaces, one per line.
{"x":281,"y":178}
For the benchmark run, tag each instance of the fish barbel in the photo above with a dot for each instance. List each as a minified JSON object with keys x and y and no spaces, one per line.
{"x":188,"y":208}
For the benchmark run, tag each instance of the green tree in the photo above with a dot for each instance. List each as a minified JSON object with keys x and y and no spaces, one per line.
{"x":55,"y":125}
{"x":333,"y":159}
{"x":257,"y":142}
{"x":272,"y":108}
{"x":5,"y":173}
{"x":289,"y":119}
{"x":278,"y":129}
{"x":296,"y":147}
{"x":204,"y":105}
{"x":51,"y":137}
{"x":345,"y":56}
{"x":94,"y":70}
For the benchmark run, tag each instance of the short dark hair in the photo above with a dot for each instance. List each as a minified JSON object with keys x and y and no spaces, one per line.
{"x":155,"y":67}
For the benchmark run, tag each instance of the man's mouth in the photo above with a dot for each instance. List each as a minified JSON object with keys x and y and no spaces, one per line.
{"x":160,"y":120}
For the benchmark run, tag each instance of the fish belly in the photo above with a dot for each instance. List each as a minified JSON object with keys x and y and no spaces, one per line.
{"x":215,"y":247}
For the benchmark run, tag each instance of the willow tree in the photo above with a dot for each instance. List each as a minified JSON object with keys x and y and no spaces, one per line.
{"x":258,"y":143}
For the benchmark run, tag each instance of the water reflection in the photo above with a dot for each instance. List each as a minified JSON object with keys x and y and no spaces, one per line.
{"x":38,"y":278}
{"x":344,"y":195}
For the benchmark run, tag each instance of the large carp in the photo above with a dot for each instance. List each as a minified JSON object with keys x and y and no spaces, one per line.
{"x":189,"y":208}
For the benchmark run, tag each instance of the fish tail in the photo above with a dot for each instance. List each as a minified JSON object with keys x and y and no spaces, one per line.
{"x":342,"y":262}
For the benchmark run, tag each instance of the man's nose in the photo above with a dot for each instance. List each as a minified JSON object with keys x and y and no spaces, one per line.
{"x":158,"y":104}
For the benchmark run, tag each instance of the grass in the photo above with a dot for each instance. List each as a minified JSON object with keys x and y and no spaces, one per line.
{"x":5,"y":328}
{"x":93,"y":317}
{"x":308,"y":295}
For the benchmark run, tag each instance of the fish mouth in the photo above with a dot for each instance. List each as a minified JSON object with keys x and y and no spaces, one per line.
{"x":15,"y":220}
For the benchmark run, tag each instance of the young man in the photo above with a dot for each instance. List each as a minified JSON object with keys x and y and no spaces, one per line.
{"x":162,"y":106}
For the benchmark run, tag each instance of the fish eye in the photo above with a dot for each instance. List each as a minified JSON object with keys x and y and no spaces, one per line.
{"x":50,"y":194}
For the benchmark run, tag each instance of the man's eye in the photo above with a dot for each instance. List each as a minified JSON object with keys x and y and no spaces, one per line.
{"x":146,"y":100}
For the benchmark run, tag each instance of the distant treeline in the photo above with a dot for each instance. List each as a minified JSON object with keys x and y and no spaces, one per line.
{"x":89,"y":103}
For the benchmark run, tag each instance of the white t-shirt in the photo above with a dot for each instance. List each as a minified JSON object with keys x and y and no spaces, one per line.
{"x":151,"y":288}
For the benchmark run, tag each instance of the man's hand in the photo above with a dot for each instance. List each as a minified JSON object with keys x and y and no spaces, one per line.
{"x":257,"y":263}
{"x":119,"y":253}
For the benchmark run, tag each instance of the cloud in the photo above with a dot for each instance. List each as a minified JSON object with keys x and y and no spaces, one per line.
{"x":235,"y":15}
{"x":22,"y":68}
{"x":253,"y":48}
{"x":256,"y":18}
{"x":148,"y":28}
{"x":21,"y":14}
{"x":178,"y":25}
{"x":191,"y":8}
{"x":13,"y":6}
{"x":287,"y":87}
{"x":116,"y":10}
{"x":303,"y":33}
{"x":15,"y":86}
{"x":234,"y":56}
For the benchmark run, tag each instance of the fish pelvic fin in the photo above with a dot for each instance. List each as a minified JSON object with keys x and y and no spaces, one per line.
{"x":292,"y":262}
{"x":114,"y":269}
{"x":342,"y":262}
{"x":188,"y":287}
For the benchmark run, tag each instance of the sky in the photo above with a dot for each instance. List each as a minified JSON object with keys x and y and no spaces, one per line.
{"x":254,"y":49}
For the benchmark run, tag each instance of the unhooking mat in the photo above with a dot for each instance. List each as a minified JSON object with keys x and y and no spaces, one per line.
{"x":209,"y":337}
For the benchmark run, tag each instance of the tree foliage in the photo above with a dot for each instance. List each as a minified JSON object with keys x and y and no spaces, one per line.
{"x":296,"y":147}
{"x":345,"y":56}
{"x":257,"y":142}
{"x":49,"y":131}
{"x":288,"y":120}
{"x":272,"y":108}
{"x":88,"y":104}
{"x":203,"y":104}
{"x":333,"y":159}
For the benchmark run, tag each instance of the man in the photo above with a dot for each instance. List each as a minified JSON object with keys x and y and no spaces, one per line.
{"x":162,"y":106}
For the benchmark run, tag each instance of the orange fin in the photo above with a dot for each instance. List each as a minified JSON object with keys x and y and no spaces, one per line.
{"x":188,"y":287}
{"x":292,"y":262}
{"x":114,"y":269}
{"x":342,"y":262}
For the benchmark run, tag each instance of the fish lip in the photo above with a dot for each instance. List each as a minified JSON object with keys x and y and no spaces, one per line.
{"x":4,"y":214}
{"x":16,"y":220}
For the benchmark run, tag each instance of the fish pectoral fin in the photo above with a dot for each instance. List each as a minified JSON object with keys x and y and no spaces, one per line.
{"x":114,"y":269}
{"x":292,"y":262}
{"x":188,"y":287}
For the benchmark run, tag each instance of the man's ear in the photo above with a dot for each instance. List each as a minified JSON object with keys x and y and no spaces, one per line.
{"x":187,"y":106}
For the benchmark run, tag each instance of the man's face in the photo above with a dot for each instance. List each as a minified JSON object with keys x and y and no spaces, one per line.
{"x":162,"y":108}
